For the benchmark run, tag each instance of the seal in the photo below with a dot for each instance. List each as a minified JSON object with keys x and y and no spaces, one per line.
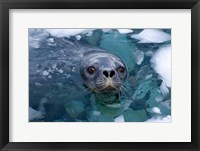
{"x":103,"y":72}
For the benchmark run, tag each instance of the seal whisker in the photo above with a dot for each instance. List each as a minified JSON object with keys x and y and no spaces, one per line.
{"x":100,"y":83}
{"x":87,"y":90}
{"x":77,"y":44}
{"x":125,"y":92}
{"x":100,"y":80}
{"x":123,"y":85}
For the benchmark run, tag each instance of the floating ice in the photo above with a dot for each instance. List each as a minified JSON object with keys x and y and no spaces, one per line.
{"x":119,"y":119}
{"x":61,"y":71}
{"x":78,"y":37}
{"x":36,"y":36}
{"x":156,"y":110}
{"x":33,"y":114}
{"x":148,"y":77}
{"x":163,"y":88}
{"x":96,"y":113}
{"x":124,"y":31}
{"x":152,"y":36}
{"x":149,"y":53}
{"x":106,"y":30}
{"x":160,"y":119}
{"x":68,"y":32}
{"x":89,"y":33}
{"x":116,"y":105}
{"x":51,"y":40}
{"x":139,"y":56}
{"x":161,"y":63}
{"x":38,"y":84}
{"x":159,"y":98}
{"x":45,"y":73}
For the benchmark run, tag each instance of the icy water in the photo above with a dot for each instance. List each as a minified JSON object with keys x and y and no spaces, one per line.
{"x":57,"y":93}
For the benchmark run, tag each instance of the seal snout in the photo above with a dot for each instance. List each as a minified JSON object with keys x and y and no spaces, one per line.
{"x":109,"y":83}
{"x":108,"y":73}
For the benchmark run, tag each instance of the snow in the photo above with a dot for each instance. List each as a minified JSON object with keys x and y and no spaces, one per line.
{"x":68,"y":32}
{"x":124,"y":31}
{"x":152,"y":36}
{"x":119,"y":119}
{"x":166,"y":119}
{"x":161,"y":63}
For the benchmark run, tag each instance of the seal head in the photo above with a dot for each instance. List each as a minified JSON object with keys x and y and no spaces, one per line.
{"x":103,"y":72}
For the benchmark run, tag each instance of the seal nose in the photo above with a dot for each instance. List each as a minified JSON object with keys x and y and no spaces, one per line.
{"x":109,"y":73}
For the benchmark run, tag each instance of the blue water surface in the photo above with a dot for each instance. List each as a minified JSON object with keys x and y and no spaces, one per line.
{"x":57,"y":93}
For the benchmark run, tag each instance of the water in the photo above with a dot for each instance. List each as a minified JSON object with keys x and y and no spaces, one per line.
{"x":56,"y":91}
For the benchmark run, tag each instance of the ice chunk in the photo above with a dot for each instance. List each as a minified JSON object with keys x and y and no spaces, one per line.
{"x":35,"y":36}
{"x":96,"y":113}
{"x":89,"y":33}
{"x":38,"y":84}
{"x":163,"y":88}
{"x":156,"y":110}
{"x":33,"y":114}
{"x":161,"y":63}
{"x":119,"y":119}
{"x":148,"y":77}
{"x":68,"y":32}
{"x":160,"y":119}
{"x":152,"y":36}
{"x":149,"y":53}
{"x":139,"y":56}
{"x":78,"y":37}
{"x":114,"y":105}
{"x":45,"y":73}
{"x":61,"y":71}
{"x":106,"y":30}
{"x":159,"y":98}
{"x":124,"y":31}
{"x":51,"y":40}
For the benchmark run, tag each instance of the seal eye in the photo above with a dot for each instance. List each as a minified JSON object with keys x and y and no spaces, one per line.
{"x":91,"y":69}
{"x":121,"y":69}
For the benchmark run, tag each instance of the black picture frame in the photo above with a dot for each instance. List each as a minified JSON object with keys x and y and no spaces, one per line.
{"x":5,"y":5}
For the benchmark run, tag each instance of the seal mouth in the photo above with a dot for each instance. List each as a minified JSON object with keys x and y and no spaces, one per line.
{"x":108,"y":89}
{"x":108,"y":86}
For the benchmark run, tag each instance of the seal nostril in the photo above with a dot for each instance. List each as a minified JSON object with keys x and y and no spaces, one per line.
{"x":112,"y":73}
{"x":105,"y":73}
